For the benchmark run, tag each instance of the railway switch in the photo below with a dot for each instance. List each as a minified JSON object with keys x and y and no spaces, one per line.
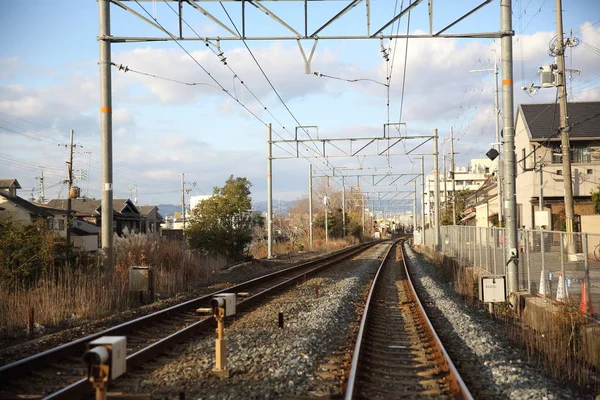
{"x":105,"y":360}
{"x":222,"y":305}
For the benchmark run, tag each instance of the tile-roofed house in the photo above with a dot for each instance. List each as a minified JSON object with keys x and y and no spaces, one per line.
{"x":126,"y":215}
{"x":543,"y":120}
{"x":18,"y":209}
{"x":151,"y":219}
{"x":9,"y":186}
{"x":537,"y":142}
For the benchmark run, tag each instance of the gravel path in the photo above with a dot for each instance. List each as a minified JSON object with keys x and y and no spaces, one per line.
{"x":306,"y":358}
{"x":504,"y":371}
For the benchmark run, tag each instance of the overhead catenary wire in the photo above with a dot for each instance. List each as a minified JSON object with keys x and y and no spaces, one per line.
{"x":214,"y":79}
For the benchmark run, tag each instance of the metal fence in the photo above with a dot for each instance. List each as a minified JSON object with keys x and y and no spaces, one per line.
{"x":569,"y":264}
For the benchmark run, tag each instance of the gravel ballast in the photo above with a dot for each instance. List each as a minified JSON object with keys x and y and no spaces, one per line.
{"x":504,"y":371}
{"x":305,"y":358}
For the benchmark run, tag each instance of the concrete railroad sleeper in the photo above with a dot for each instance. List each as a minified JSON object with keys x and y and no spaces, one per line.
{"x":398,"y":353}
{"x":59,"y":373}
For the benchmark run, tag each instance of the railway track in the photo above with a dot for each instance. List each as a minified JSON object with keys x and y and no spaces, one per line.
{"x":59,"y":373}
{"x":397,"y":353}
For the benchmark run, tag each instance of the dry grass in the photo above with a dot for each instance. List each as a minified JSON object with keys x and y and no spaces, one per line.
{"x":259,"y":249}
{"x":76,"y":295}
{"x":560,"y":348}
{"x":563,"y":348}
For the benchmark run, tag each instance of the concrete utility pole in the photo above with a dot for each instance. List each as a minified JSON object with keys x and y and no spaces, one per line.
{"x":436,"y":176}
{"x":310,"y":208}
{"x":565,"y":128}
{"x":453,"y":177}
{"x":70,"y":185}
{"x":106,"y":133}
{"x":510,"y":204}
{"x":270,"y":194}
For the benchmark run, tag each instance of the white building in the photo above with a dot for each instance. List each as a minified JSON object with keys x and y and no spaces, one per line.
{"x":471,"y":178}
{"x":195,"y":200}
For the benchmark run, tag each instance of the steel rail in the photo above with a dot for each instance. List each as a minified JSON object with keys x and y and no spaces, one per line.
{"x":82,"y":387}
{"x":361,"y":329}
{"x":457,"y":385}
{"x":458,"y":388}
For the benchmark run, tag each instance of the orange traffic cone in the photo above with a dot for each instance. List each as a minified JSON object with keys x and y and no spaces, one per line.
{"x":584,"y":305}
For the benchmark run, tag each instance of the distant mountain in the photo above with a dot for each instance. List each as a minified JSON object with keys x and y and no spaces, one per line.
{"x":261,"y":206}
{"x":167,"y":210}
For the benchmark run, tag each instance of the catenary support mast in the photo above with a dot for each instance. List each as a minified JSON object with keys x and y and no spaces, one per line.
{"x":106,"y":133}
{"x":510,"y":204}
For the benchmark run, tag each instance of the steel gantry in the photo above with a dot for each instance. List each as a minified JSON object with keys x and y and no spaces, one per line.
{"x":299,"y":26}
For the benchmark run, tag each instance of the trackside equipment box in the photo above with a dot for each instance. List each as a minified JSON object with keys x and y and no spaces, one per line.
{"x":492,"y":288}
{"x":117,"y":347}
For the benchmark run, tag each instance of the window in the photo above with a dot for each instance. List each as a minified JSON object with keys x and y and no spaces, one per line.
{"x":590,"y":172}
{"x":487,"y":170}
{"x":580,"y":153}
{"x":559,"y":172}
{"x":50,"y":223}
{"x":61,"y":224}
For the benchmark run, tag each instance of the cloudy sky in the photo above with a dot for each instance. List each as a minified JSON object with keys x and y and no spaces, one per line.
{"x":49,"y":84}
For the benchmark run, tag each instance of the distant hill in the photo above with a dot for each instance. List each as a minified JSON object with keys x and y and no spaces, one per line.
{"x":167,"y":210}
{"x":285,"y":205}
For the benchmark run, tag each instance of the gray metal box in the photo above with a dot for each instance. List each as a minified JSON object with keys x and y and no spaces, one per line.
{"x":140,"y":279}
{"x":117,"y":346}
{"x":230,"y":300}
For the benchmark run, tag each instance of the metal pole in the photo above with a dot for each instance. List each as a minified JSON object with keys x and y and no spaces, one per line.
{"x":453,"y":179}
{"x":423,"y":199}
{"x":70,"y":182}
{"x":106,"y":133}
{"x":586,"y":275}
{"x":564,"y":128}
{"x":509,"y":147}
{"x":437,"y":190}
{"x":543,"y":251}
{"x":527,"y":259}
{"x":310,"y":208}
{"x":541,"y":199}
{"x":183,"y":199}
{"x":363,"y":214}
{"x":500,"y":172}
{"x":270,"y":194}
{"x":343,"y":208}
{"x":326,"y":227}
{"x":445,"y":186}
{"x":415,"y":206}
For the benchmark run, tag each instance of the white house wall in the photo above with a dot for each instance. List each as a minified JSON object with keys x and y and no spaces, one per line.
{"x":527,"y":185}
